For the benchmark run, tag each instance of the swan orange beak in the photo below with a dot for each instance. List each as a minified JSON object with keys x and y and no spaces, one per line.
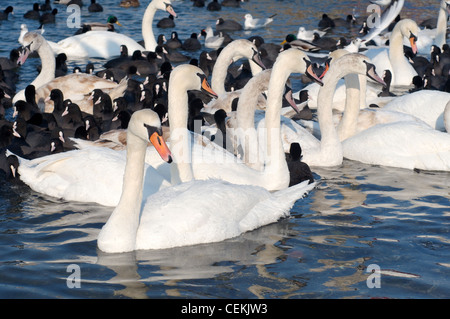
{"x":412,"y":41}
{"x":169,"y":9}
{"x":160,"y":145}
{"x":207,"y":88}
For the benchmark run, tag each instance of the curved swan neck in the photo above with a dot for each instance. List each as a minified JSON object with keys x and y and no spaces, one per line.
{"x":220,"y":69}
{"x":48,"y":65}
{"x":147,"y":28}
{"x":119,"y":233}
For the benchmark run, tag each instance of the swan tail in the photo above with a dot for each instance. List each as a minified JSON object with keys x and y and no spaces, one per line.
{"x":119,"y":90}
{"x":275,"y":207}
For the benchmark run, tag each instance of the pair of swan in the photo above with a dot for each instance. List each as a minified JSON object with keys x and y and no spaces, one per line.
{"x":232,"y":52}
{"x":75,"y":86}
{"x":104,"y":44}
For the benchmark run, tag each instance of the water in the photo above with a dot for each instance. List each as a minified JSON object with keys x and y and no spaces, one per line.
{"x":359,"y":215}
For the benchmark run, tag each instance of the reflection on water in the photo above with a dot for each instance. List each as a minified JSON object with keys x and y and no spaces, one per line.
{"x":359,"y":215}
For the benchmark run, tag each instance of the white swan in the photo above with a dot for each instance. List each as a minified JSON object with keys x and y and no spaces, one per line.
{"x":406,"y":144}
{"x":426,"y":105}
{"x":208,"y":163}
{"x":93,"y":174}
{"x":75,"y":86}
{"x":182,"y":215}
{"x":394,"y":59}
{"x":233,"y":52}
{"x":104,"y":44}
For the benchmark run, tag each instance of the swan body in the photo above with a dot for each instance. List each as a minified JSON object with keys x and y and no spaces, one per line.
{"x":409,"y":145}
{"x":94,"y":44}
{"x":426,"y":105}
{"x":232,"y":52}
{"x":93,"y":175}
{"x":76,"y":86}
{"x":394,"y":59}
{"x":105,"y":44}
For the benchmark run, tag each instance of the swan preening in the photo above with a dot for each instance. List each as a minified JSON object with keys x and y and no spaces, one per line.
{"x":105,"y":44}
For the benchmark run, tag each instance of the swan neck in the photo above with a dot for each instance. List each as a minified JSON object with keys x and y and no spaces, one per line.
{"x":48,"y":65}
{"x":180,"y":136}
{"x":274,"y":145}
{"x":147,"y":28}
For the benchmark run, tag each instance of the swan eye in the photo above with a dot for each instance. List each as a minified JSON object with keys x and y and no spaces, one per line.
{"x":412,"y":36}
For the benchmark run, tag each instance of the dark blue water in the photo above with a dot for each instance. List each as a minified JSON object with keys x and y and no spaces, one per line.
{"x":359,"y":217}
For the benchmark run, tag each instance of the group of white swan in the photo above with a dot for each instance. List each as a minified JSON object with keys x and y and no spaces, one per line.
{"x":160,"y":202}
{"x":105,"y":44}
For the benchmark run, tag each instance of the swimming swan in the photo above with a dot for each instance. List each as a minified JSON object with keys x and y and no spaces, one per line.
{"x":75,"y":86}
{"x":394,"y":59}
{"x":182,"y":215}
{"x":105,"y":44}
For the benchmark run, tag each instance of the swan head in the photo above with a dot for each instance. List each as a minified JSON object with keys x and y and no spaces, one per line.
{"x":246,"y":49}
{"x":189,"y":77}
{"x":408,"y":28}
{"x":302,"y":63}
{"x":31,"y":42}
{"x":353,"y":63}
{"x":445,"y":5}
{"x":146,"y":125}
{"x":165,"y":5}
